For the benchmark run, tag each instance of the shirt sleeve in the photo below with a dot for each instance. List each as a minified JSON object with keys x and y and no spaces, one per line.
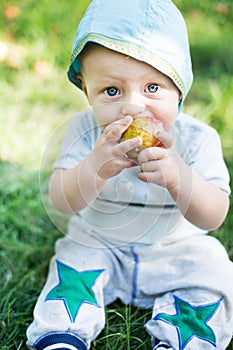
{"x":79,"y":140}
{"x":207,"y":159}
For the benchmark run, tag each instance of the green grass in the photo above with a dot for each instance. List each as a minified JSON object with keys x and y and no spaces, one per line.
{"x":36,"y":101}
{"x":26,"y":245}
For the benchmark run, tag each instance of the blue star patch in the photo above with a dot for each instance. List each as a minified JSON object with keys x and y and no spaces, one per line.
{"x":74,"y":288}
{"x":191,"y":321}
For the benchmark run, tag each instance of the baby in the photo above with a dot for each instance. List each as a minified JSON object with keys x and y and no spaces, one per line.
{"x":141,"y":233}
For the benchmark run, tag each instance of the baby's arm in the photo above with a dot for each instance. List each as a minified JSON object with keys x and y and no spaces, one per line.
{"x":201,"y":202}
{"x":71,"y":190}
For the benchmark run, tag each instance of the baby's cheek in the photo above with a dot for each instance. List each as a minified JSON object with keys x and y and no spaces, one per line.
{"x":106,"y":114}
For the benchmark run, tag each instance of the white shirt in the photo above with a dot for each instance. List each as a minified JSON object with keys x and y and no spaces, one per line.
{"x":128,"y":209}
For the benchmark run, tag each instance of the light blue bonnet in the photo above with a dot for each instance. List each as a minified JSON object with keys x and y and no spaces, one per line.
{"x":151,"y":31}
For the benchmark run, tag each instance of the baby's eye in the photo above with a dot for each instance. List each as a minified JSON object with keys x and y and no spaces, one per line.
{"x":111,"y":91}
{"x":152,"y":88}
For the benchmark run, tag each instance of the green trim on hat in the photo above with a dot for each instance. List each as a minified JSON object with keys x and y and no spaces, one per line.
{"x":134,"y":51}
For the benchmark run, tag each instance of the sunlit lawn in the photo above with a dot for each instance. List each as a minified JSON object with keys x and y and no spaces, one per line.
{"x":36,"y":102}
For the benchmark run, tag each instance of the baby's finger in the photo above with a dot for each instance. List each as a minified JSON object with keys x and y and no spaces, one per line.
{"x":113,"y":131}
{"x":125,"y":122}
{"x":152,"y":153}
{"x":128,"y":145}
{"x":151,"y":166}
{"x":165,"y":138}
{"x":153,"y":177}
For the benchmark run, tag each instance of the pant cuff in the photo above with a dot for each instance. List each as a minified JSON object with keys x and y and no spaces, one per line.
{"x":60,"y":340}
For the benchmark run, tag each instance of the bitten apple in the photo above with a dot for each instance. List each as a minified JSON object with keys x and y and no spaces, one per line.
{"x":146,"y":128}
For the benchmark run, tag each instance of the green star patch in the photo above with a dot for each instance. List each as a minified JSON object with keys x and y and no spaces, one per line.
{"x":74,"y":288}
{"x":191,"y":321}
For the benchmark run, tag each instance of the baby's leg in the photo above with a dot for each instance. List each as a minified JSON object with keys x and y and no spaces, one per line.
{"x":69,"y":313}
{"x":194,"y":308}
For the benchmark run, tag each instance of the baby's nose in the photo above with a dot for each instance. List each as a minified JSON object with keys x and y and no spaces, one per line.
{"x":132,"y":109}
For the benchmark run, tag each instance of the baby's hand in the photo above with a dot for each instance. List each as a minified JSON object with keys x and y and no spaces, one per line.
{"x":108,"y":156}
{"x":158,"y":164}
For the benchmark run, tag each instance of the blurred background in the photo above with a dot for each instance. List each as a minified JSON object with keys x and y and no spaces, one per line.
{"x":36,"y":102}
{"x":35,"y":45}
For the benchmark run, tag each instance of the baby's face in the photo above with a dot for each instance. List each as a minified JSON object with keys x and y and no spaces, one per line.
{"x":117,"y":85}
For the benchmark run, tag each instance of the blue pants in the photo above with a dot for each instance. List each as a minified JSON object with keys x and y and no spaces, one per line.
{"x":187,"y":284}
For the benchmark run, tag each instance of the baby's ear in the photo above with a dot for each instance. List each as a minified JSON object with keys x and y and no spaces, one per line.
{"x":82,"y":83}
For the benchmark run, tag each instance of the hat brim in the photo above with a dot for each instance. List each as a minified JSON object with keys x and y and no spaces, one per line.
{"x":136,"y":52}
